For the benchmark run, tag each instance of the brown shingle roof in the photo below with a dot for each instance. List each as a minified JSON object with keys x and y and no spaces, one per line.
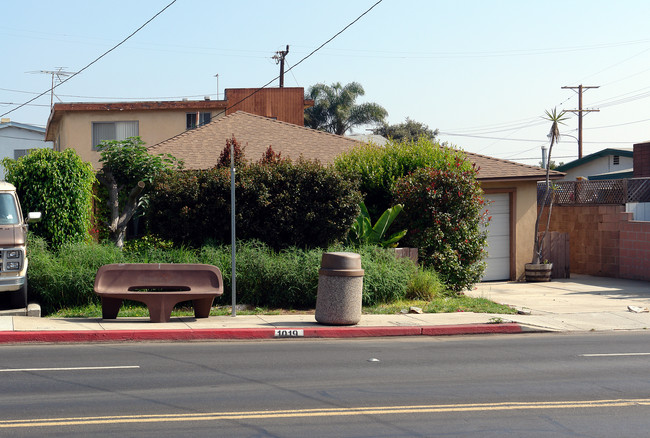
{"x":496,"y":169}
{"x":200,"y":148}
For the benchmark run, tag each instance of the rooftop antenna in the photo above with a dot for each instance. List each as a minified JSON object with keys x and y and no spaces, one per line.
{"x":58,"y":74}
{"x":279,"y":58}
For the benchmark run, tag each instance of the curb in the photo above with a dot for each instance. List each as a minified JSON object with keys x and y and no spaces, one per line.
{"x":252,"y":333}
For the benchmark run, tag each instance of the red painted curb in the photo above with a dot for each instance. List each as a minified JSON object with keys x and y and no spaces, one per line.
{"x":250,"y":333}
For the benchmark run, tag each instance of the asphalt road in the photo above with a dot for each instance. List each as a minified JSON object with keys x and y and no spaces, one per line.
{"x":556,"y":385}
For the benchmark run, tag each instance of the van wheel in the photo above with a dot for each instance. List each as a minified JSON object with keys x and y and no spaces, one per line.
{"x":19,"y":297}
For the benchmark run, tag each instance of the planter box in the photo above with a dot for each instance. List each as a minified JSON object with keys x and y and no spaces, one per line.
{"x":538,"y":272}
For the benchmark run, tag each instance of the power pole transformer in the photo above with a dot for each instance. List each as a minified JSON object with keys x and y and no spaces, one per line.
{"x":579,"y":111}
{"x":279,"y":58}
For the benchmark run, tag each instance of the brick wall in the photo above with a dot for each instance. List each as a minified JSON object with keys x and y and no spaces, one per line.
{"x":604,"y":240}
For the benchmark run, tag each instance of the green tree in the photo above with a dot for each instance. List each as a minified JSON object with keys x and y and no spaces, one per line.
{"x":127,"y":169}
{"x":335,"y":109}
{"x":60,"y":186}
{"x":407,"y":131}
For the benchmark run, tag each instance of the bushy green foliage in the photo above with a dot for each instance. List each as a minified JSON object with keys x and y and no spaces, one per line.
{"x":408,"y":130}
{"x":282,"y":204}
{"x":59,"y":185}
{"x":126,"y":174}
{"x":425,"y":285}
{"x":444,"y":212}
{"x":379,"y":167}
{"x":64,"y":277}
{"x":364,"y":233}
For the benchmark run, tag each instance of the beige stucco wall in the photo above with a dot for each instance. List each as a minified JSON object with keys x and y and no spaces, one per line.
{"x":524,"y":194}
{"x":75,"y":128}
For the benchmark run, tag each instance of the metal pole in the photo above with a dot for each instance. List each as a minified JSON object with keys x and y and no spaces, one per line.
{"x":232,"y":228}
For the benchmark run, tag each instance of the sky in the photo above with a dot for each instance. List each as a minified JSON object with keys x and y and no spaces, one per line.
{"x":482,"y":72}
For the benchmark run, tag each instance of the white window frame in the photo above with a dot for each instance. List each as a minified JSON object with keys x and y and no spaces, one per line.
{"x":117,"y":130}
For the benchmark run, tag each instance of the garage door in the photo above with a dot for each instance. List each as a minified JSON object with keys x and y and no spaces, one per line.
{"x":498,"y":260}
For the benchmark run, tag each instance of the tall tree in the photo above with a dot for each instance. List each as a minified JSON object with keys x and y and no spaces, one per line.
{"x":127,"y":167}
{"x":410,"y":130}
{"x":335,"y":109}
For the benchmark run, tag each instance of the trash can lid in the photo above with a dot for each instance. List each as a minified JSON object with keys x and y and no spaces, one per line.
{"x":340,"y":260}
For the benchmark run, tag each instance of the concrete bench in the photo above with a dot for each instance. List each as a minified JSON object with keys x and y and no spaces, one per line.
{"x":158,"y":285}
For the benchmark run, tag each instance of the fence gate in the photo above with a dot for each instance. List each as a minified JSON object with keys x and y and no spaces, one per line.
{"x":556,"y":250}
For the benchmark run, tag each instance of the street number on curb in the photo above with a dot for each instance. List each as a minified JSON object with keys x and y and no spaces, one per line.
{"x":286,"y":333}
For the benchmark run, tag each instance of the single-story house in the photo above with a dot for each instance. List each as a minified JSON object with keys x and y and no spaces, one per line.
{"x":510,"y":187}
{"x":610,"y":163}
{"x":18,"y":139}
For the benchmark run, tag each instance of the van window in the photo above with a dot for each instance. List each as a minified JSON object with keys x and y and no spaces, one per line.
{"x":8,"y":210}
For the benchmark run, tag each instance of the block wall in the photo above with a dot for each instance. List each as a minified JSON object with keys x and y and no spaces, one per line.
{"x":604,"y":240}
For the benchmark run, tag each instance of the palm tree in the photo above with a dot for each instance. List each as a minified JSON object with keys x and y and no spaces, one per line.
{"x":554,"y":136}
{"x":335,"y":110}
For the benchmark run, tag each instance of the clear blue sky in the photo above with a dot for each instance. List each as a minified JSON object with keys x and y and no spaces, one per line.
{"x":470,"y":68}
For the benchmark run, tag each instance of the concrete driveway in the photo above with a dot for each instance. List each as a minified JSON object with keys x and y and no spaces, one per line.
{"x":578,"y":303}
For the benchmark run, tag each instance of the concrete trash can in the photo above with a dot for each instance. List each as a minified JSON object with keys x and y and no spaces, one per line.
{"x":340,"y":289}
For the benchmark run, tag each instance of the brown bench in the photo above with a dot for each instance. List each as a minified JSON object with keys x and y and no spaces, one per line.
{"x":158,"y":285}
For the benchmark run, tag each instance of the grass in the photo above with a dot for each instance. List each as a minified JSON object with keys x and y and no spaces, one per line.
{"x":437,"y":305}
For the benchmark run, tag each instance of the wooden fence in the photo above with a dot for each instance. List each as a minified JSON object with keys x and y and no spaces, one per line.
{"x":613,"y":191}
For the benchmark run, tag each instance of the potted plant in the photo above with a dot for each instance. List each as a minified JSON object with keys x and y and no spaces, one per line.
{"x":540,"y":269}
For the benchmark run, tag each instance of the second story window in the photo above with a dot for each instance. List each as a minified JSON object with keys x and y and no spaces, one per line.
{"x":192,"y":120}
{"x":106,"y":131}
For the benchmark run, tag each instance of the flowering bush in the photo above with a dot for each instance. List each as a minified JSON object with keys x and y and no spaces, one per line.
{"x":444,"y":211}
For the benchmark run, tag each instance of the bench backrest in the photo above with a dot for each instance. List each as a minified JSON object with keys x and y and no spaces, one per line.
{"x":122,"y":277}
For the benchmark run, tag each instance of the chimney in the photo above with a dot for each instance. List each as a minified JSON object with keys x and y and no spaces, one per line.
{"x":641,"y":160}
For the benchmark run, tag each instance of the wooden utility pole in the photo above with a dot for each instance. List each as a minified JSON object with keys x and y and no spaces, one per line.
{"x":580,"y":111}
{"x":279,"y":58}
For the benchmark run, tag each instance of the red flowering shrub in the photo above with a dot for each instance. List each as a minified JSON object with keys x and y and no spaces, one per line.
{"x":444,"y":211}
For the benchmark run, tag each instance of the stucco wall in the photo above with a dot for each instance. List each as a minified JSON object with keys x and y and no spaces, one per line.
{"x":524,"y":202}
{"x":13,"y":138}
{"x":154,"y":126}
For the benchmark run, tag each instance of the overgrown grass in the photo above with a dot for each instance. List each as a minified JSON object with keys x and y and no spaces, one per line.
{"x":64,"y":278}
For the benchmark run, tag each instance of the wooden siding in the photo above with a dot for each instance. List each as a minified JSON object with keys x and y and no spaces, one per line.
{"x":283,"y":104}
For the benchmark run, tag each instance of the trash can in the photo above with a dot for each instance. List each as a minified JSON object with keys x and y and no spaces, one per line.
{"x":340,"y":288}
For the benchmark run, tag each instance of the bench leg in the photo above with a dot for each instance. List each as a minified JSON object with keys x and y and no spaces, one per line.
{"x":110,"y":307}
{"x":202,"y":307}
{"x":160,"y":310}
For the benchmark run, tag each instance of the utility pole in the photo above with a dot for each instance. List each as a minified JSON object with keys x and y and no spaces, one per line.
{"x":579,"y":111}
{"x":279,"y":58}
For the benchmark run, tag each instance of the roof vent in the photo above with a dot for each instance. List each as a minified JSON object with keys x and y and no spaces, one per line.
{"x":206,"y":97}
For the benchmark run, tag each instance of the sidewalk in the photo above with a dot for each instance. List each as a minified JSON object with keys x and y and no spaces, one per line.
{"x":582,"y":303}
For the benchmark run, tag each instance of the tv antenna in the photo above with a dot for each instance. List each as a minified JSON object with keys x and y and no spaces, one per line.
{"x":56,"y":79}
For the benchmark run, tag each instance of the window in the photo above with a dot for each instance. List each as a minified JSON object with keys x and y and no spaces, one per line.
{"x":8,"y":210}
{"x":21,"y":153}
{"x":616,"y":160}
{"x":106,"y":131}
{"x":192,"y":118}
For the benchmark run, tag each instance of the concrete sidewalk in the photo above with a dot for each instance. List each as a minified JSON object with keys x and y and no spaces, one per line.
{"x":582,"y":303}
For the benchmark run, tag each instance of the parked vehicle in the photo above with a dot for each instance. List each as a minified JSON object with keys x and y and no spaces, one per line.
{"x":13,"y":240}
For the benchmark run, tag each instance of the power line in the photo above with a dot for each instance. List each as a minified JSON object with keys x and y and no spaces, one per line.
{"x":291,"y":68}
{"x":92,"y":62}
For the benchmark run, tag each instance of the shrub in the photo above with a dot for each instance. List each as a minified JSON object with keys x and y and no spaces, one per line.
{"x":282,"y":204}
{"x":424,"y":285}
{"x":59,"y":185}
{"x":378,"y":168}
{"x":444,"y":213}
{"x":64,"y":278}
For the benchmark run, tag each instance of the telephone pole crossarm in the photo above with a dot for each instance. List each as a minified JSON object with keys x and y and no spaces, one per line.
{"x":579,"y":111}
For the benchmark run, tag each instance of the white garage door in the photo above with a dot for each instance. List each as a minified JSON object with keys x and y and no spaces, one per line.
{"x":498,"y":260}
